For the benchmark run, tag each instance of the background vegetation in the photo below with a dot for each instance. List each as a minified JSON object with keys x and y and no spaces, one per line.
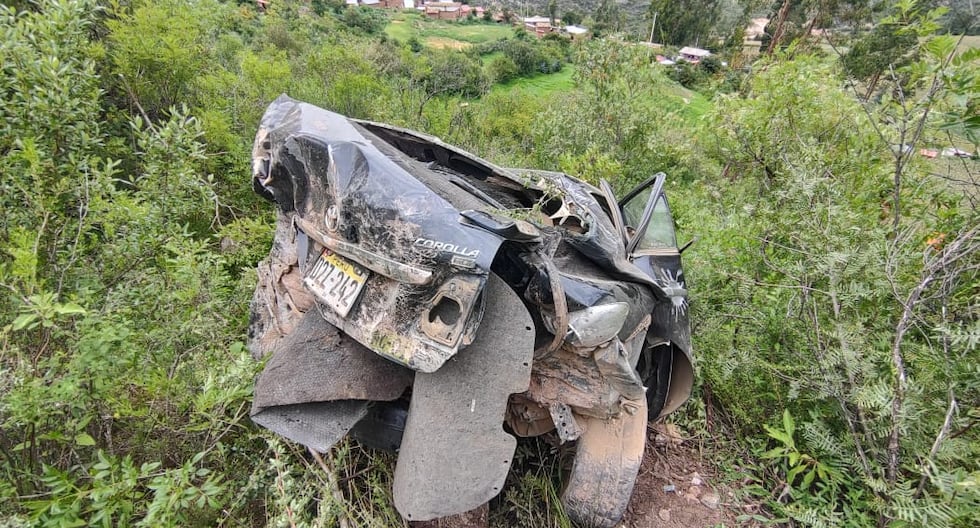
{"x":834,"y":284}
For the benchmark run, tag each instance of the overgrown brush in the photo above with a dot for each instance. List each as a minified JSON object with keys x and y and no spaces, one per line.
{"x":839,"y":287}
{"x":835,"y":283}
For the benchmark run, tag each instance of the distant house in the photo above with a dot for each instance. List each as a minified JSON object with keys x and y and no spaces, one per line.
{"x":444,"y":10}
{"x":953,"y":151}
{"x":576,"y":32}
{"x":475,"y":11}
{"x":756,"y":28}
{"x":398,"y":4}
{"x":539,"y":25}
{"x":692,"y":55}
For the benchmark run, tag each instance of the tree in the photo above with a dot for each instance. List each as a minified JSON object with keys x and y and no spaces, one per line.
{"x":886,"y":47}
{"x":684,"y":23}
{"x":962,"y":17}
{"x":794,"y":20}
{"x":524,"y":54}
{"x":446,"y":73}
{"x":866,"y":327}
{"x":553,"y":11}
{"x":502,"y":69}
{"x":157,"y":51}
{"x":571,"y":17}
{"x":366,"y":19}
{"x":609,"y":18}
{"x":104,"y":260}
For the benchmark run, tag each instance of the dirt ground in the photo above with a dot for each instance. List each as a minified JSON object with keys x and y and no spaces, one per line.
{"x":676,"y":488}
{"x":446,"y":43}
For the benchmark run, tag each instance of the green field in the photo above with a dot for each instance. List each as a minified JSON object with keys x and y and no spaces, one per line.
{"x":442,"y":33}
{"x":968,"y":42}
{"x":542,"y":85}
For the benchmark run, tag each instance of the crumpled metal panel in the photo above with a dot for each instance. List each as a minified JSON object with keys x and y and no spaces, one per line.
{"x":455,"y":454}
{"x":607,"y":460}
{"x":671,"y":321}
{"x":599,"y":240}
{"x":364,"y":204}
{"x":317,"y":425}
{"x":318,"y":382}
{"x":280,"y":300}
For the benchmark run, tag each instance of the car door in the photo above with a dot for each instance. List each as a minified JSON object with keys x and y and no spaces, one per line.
{"x":651,"y":243}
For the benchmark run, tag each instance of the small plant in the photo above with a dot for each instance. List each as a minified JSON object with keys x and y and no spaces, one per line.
{"x":796,"y":464}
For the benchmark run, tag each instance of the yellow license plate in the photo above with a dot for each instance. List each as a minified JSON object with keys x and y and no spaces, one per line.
{"x":336,"y":281}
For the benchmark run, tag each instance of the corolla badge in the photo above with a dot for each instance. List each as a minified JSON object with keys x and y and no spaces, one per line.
{"x":446,"y":247}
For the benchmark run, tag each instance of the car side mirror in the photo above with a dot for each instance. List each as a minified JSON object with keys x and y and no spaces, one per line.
{"x":688,"y":244}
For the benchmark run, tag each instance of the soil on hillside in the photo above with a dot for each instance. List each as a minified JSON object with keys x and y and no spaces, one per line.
{"x":676,"y":488}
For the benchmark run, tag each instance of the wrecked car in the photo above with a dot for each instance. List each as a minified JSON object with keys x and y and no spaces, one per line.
{"x":425,"y":300}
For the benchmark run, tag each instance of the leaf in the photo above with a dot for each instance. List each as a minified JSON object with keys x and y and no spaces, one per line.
{"x":68,"y":309}
{"x":791,"y":474}
{"x":808,"y":478}
{"x":24,"y":321}
{"x":777,"y":452}
{"x":941,"y":46}
{"x":967,"y":56}
{"x":84,"y":439}
{"x":788,"y":424}
{"x":778,"y":435}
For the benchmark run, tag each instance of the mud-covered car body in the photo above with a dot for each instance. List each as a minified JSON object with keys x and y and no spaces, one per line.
{"x":407,"y":271}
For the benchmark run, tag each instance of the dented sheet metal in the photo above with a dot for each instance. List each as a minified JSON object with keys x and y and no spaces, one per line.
{"x":419,"y":298}
{"x":318,"y":384}
{"x":607,"y":460}
{"x":455,"y":453}
{"x":329,"y":177}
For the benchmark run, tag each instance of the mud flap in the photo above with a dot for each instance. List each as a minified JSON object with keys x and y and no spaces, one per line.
{"x":455,"y":454}
{"x":318,"y":384}
{"x":317,"y":425}
{"x":607,"y":460}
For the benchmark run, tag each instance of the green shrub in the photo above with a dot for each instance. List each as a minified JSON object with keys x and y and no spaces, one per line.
{"x":502,"y":69}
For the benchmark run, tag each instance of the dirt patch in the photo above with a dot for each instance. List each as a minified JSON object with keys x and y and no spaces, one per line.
{"x":677,"y":488}
{"x":445,"y":43}
{"x":472,"y":519}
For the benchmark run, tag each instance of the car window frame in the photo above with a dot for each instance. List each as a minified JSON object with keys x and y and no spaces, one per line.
{"x":656,"y":185}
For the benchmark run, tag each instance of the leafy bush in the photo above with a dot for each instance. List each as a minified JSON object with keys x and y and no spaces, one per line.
{"x":687,"y":75}
{"x":366,"y":19}
{"x":822,"y":278}
{"x":120,"y":368}
{"x":502,"y":69}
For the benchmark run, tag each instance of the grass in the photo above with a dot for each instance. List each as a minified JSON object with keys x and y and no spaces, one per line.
{"x":968,"y":42}
{"x":476,"y":33}
{"x":400,"y":29}
{"x":690,"y":105}
{"x":445,"y":43}
{"x":543,"y":85}
{"x":442,"y":33}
